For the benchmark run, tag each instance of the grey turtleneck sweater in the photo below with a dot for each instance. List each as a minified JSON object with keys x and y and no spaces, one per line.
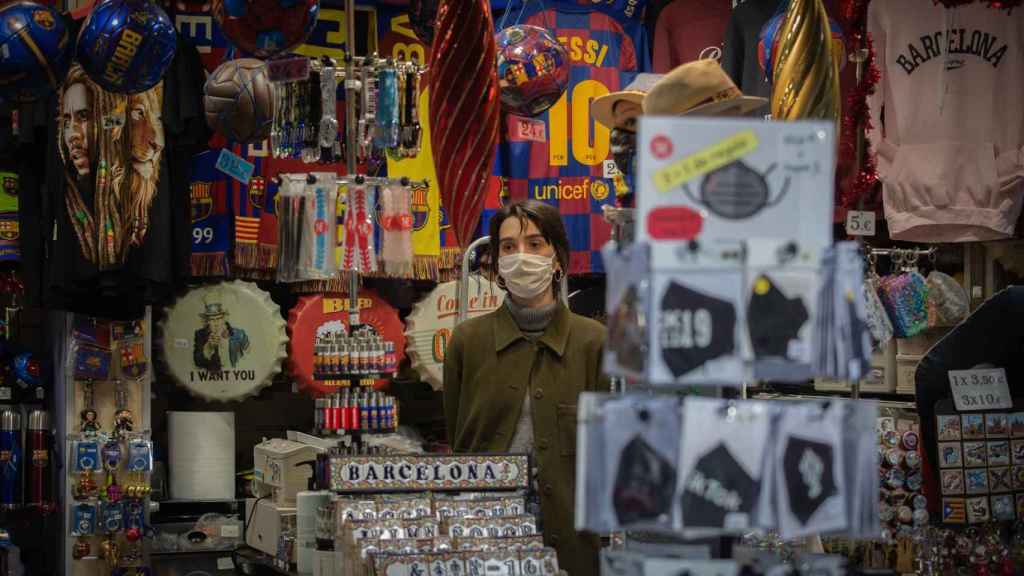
{"x":532,"y":322}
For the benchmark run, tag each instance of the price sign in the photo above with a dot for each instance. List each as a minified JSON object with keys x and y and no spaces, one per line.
{"x":288,"y":69}
{"x":860,"y":223}
{"x":980,"y":389}
{"x":233,"y":165}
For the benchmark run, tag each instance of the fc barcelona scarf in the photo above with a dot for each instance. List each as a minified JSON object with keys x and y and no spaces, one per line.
{"x":255,"y":244}
{"x":211,"y":220}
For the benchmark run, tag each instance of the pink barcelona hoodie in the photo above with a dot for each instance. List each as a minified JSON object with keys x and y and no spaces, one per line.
{"x":952,"y":99}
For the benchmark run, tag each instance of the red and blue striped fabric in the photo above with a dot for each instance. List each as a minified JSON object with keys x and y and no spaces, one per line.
{"x":568,"y":162}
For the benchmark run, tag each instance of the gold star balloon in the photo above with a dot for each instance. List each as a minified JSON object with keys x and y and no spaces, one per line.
{"x":806,"y":65}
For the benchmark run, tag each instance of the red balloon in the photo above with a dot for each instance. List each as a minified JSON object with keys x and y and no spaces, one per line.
{"x":464,"y":109}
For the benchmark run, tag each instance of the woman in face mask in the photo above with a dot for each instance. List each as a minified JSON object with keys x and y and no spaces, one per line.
{"x":512,"y":377}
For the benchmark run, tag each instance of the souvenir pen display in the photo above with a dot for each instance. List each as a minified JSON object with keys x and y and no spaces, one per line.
{"x":39,"y":489}
{"x":356,"y":410}
{"x":10,"y":459}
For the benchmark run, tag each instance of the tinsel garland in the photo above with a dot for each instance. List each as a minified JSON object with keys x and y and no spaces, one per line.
{"x":858,"y":115}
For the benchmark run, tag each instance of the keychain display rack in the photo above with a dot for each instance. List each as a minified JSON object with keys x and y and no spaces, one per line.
{"x":104,"y":429}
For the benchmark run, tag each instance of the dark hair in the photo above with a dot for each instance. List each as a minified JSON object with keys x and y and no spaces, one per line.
{"x":547,"y":219}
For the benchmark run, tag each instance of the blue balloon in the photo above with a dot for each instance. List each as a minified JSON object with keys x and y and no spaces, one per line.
{"x":34,"y":51}
{"x":126,"y":45}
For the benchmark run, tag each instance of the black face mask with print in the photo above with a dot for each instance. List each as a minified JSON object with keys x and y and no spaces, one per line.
{"x":623,"y":148}
{"x":644,"y":484}
{"x":716,"y":488}
{"x":810,"y":478}
{"x":694,"y":328}
{"x":774,"y":320}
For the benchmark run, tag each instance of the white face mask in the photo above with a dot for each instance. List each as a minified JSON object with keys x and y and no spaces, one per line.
{"x":526,"y":275}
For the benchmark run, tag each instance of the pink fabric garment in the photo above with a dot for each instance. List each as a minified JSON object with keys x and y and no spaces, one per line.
{"x":689,"y":30}
{"x":950,"y":152}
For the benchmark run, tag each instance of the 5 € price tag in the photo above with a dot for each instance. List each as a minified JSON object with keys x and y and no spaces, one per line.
{"x":980,"y":389}
{"x":233,"y":165}
{"x":860,"y":223}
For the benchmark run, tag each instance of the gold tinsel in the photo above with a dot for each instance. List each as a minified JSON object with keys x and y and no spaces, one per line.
{"x":806,"y":65}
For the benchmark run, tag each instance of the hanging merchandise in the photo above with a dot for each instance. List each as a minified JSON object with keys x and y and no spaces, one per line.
{"x":307,"y":205}
{"x":626,"y":348}
{"x":125,"y":46}
{"x":326,"y":353}
{"x":782,"y":303}
{"x":429,"y":326}
{"x":905,"y":297}
{"x":34,"y":56}
{"x":942,"y":183}
{"x":239,"y":100}
{"x":533,"y":69}
{"x":465,"y":111}
{"x":563,"y":156}
{"x":947,"y":300}
{"x":327,"y":132}
{"x":266,"y":28}
{"x":805,"y":70}
{"x":842,"y":342}
{"x":210,"y":215}
{"x":689,"y":31}
{"x":117,"y":218}
{"x":360,"y":248}
{"x":225,"y":341}
{"x":877,"y":318}
{"x":10,"y":249}
{"x":396,"y":231}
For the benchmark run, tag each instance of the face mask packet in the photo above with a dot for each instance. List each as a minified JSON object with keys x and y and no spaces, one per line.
{"x":626,"y":296}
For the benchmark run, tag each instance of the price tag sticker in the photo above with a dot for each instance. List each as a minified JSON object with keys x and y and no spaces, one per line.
{"x":980,"y":389}
{"x":860,"y":223}
{"x":233,"y":165}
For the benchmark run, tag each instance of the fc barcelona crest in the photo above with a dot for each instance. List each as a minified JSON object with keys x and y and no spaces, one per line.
{"x":257,"y":192}
{"x":9,"y":230}
{"x":420,"y":208}
{"x":202,"y":202}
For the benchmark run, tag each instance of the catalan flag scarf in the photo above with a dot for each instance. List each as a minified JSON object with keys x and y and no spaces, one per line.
{"x":248,"y":202}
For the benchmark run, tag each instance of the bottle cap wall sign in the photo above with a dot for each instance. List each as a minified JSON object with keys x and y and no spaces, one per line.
{"x":433,"y":319}
{"x":225,"y":341}
{"x":326,"y":353}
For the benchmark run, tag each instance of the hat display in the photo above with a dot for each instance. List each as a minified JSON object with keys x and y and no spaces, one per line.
{"x":603,"y":108}
{"x":699,"y":88}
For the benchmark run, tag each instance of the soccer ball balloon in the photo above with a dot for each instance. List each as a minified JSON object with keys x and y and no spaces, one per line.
{"x":768,"y":39}
{"x":533,"y":69}
{"x":126,"y":45}
{"x":34,"y":55}
{"x":265,"y":28}
{"x":239,"y":100}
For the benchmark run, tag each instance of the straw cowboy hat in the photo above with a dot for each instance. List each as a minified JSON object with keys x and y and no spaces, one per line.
{"x":603,"y":108}
{"x":699,"y":88}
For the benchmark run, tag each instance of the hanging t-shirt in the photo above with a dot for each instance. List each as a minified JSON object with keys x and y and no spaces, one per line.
{"x":689,"y":30}
{"x":563,"y":157}
{"x":739,"y":54}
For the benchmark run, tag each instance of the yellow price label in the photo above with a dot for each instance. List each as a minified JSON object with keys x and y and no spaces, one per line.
{"x":711,"y":158}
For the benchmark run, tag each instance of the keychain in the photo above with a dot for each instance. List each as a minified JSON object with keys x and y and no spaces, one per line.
{"x":411,"y":131}
{"x":86,"y":460}
{"x":123,"y":421}
{"x":369,"y":112}
{"x":386,"y":130}
{"x":90,"y":418}
{"x":111,"y":552}
{"x":328,"y":121}
{"x":359,"y":249}
{"x":311,"y":120}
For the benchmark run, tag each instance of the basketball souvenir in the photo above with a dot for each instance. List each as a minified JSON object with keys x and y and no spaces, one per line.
{"x":327,"y":353}
{"x":533,"y":69}
{"x":433,"y":319}
{"x":239,"y":100}
{"x":34,"y":55}
{"x":225,"y":341}
{"x":126,"y":46}
{"x":266,"y":28}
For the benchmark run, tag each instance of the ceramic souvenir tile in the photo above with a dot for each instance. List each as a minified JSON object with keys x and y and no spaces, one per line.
{"x":1018,"y":477}
{"x":1003,"y":508}
{"x":997,"y":425}
{"x":950,"y":455}
{"x":999,"y":479}
{"x":954,"y":511}
{"x":1017,"y":424}
{"x":999,"y":453}
{"x":975,"y":454}
{"x":952,"y":482}
{"x":1017,"y":452}
{"x":973,"y":426}
{"x":948,"y":427}
{"x":977,"y":510}
{"x":976,"y":480}
{"x":886,"y":424}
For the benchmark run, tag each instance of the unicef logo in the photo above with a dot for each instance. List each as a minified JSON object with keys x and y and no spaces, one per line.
{"x":711,"y":53}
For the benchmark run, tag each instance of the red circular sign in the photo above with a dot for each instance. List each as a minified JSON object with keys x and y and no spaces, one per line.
{"x":317,"y":317}
{"x":661,"y":147}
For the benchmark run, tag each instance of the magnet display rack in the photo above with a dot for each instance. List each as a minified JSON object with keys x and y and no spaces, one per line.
{"x":71,"y":396}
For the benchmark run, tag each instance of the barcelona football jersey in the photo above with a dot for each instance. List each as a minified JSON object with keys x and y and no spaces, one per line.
{"x":562,"y":156}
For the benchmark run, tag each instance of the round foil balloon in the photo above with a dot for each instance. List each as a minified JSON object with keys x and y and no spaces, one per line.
{"x":767,"y":43}
{"x":239,"y":100}
{"x":126,"y":45}
{"x":224,"y":341}
{"x":34,"y":55}
{"x":533,"y":69}
{"x":266,"y":28}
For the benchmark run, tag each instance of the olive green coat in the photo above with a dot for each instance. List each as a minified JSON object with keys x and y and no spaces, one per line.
{"x":488,"y":367}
